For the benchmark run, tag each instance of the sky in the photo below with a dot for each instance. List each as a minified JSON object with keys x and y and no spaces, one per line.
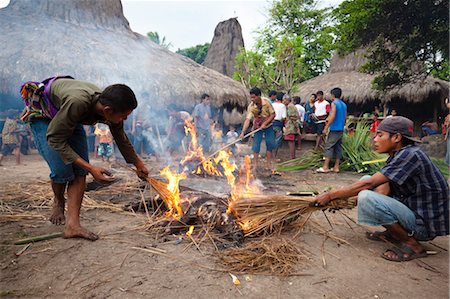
{"x":189,"y":23}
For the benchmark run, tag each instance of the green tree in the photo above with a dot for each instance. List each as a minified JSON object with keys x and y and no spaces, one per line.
{"x":295,"y":45}
{"x":404,"y":39}
{"x":154,"y":36}
{"x":196,"y":53}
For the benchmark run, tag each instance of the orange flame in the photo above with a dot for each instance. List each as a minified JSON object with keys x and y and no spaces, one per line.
{"x":174,"y":205}
{"x":195,"y":152}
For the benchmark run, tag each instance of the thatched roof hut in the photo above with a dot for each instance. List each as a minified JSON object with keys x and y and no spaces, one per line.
{"x":226,"y":44}
{"x":422,"y":98}
{"x":92,"y":41}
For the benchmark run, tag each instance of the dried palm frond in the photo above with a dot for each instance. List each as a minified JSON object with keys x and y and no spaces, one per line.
{"x":272,"y":256}
{"x":265,"y":213}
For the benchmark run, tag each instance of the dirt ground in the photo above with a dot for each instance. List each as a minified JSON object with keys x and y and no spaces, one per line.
{"x":110,"y":267}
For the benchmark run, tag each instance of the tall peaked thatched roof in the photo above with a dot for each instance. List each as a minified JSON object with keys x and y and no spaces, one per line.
{"x":91,"y":40}
{"x":357,"y":86}
{"x":226,"y":44}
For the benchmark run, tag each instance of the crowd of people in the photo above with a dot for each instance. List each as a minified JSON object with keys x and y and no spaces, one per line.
{"x":409,"y":196}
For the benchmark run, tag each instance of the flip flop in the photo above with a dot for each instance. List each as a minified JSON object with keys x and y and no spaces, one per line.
{"x":400,"y":253}
{"x":384,"y":236}
{"x":321,"y":170}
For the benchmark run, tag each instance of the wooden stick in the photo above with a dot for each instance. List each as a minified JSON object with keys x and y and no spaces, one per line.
{"x":228,"y":145}
{"x":38,"y":238}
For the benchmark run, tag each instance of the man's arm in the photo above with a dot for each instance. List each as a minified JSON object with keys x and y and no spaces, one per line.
{"x":330,"y":118}
{"x":373,"y":182}
{"x":245,"y":127}
{"x":268,"y":121}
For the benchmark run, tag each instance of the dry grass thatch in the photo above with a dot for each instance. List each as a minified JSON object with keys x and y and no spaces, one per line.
{"x":271,"y":256}
{"x":357,"y":86}
{"x":91,"y":41}
{"x":263,"y":214}
{"x":226,"y":44}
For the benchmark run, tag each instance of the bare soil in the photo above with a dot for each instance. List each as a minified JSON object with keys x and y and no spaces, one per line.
{"x":110,"y":267}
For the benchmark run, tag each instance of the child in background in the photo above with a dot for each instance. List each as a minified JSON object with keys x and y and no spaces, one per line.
{"x":105,"y":141}
{"x":232,"y":135}
{"x":216,"y":134}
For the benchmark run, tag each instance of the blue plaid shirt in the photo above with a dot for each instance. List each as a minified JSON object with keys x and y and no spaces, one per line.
{"x":417,"y":182}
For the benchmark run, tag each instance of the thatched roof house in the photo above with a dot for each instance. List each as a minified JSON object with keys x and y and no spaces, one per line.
{"x":91,"y":40}
{"x":422,"y":98}
{"x":226,"y":44}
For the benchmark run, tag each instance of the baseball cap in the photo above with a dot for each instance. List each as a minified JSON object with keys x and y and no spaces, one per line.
{"x":398,"y":124}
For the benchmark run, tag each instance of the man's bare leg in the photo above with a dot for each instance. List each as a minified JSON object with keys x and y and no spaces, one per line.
{"x":75,"y":192}
{"x":17,"y":154}
{"x":292,"y":148}
{"x":399,"y":233}
{"x":269,"y":160}
{"x":318,"y":141}
{"x":326,"y":164}
{"x":59,"y":201}
{"x":337,"y":165}
{"x":255,"y":161}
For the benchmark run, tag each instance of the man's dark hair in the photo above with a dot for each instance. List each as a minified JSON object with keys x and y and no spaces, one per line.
{"x":204,"y":96}
{"x":336,"y":92}
{"x":256,"y":91}
{"x":319,"y":93}
{"x":119,"y":97}
{"x":280,"y":96}
{"x":297,"y":100}
{"x":272,"y":93}
{"x":315,"y":96}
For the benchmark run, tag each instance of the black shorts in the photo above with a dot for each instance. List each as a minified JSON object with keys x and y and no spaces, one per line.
{"x":319,"y":128}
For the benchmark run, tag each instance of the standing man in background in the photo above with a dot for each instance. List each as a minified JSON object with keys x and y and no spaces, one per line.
{"x":202,"y":118}
{"x":335,"y":122}
{"x":321,"y":110}
{"x":278,"y":122}
{"x":261,"y":112}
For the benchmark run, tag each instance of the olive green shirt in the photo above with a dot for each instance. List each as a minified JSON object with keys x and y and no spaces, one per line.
{"x":76,"y":102}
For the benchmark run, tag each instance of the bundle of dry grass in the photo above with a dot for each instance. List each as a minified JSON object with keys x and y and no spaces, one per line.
{"x":265,"y":213}
{"x":270,"y":256}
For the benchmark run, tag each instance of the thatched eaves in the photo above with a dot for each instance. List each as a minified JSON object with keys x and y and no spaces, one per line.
{"x":92,"y":41}
{"x":357,"y":86}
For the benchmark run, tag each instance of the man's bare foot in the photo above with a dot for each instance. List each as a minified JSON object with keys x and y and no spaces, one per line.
{"x":57,"y":216}
{"x":79,"y":232}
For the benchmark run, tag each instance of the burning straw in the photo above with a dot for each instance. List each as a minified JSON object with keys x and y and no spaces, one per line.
{"x":270,"y":256}
{"x":266,"y":213}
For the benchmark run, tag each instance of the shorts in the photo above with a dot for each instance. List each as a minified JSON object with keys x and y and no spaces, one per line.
{"x":333,"y":145}
{"x":319,"y":128}
{"x":270,"y":140}
{"x":60,"y":173}
{"x":8,"y":148}
{"x":290,"y":137}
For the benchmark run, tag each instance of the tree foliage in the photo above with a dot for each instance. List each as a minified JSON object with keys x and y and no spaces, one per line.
{"x":404,"y":38}
{"x":154,"y":36}
{"x":295,"y":45}
{"x":196,"y":53}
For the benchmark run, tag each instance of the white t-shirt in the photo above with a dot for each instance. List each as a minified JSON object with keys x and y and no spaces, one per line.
{"x":280,"y":111}
{"x":232,"y":136}
{"x":321,"y":108}
{"x":301,"y":112}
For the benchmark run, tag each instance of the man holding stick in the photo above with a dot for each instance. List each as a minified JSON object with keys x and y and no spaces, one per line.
{"x":409,"y":196}
{"x":262,"y":113}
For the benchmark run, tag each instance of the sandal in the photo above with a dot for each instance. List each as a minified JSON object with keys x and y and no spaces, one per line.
{"x":403,"y":254}
{"x":321,"y":170}
{"x":384,"y":236}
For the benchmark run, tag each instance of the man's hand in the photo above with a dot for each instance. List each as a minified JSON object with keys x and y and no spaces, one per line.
{"x":102,"y":175}
{"x":321,"y":200}
{"x":141,"y":169}
{"x":241,"y":136}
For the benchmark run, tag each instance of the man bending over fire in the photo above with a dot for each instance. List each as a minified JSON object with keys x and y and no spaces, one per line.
{"x":262,"y":113}
{"x":56,"y":109}
{"x":409,"y":196}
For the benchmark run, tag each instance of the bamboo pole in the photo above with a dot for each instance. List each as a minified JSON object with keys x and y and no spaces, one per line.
{"x":38,"y":238}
